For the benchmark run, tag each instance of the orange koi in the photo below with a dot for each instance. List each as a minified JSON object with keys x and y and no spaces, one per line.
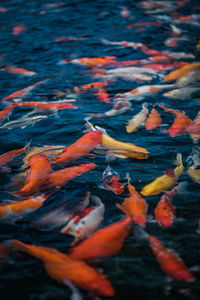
{"x":154,"y":120}
{"x":4,"y":114}
{"x":22,"y":93}
{"x":181,"y":123}
{"x":104,"y":242}
{"x":20,"y":71}
{"x":18,"y":29}
{"x":165,"y":212}
{"x":169,"y":261}
{"x":135,"y":206}
{"x":194,"y":129}
{"x":95,"y":85}
{"x":8,"y":156}
{"x":40,"y":168}
{"x":91,"y":61}
{"x":59,"y":178}
{"x":62,"y":268}
{"x":81,"y":147}
{"x":158,"y":67}
{"x":102,"y":95}
{"x":181,"y":72}
{"x":16,"y":210}
{"x":48,"y":105}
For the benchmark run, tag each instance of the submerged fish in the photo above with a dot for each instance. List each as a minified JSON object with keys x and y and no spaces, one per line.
{"x":19,"y":71}
{"x":23,"y":122}
{"x":104,"y":242}
{"x":62,"y":267}
{"x":154,"y":120}
{"x":169,"y":261}
{"x":84,"y":223}
{"x":166,"y":181}
{"x":5,"y":113}
{"x":140,"y":92}
{"x":182,"y":93}
{"x":182,"y":72}
{"x":119,"y":108}
{"x":138,"y":120}
{"x":181,"y":124}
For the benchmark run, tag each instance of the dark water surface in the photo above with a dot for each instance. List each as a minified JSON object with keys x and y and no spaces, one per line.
{"x":134,"y":272}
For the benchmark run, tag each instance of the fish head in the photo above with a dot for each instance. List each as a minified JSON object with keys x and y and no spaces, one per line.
{"x":37,"y":157}
{"x":171,"y":94}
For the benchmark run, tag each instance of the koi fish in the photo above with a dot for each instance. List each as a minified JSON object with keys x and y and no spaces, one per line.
{"x":102,"y":95}
{"x":165,"y":212}
{"x":181,"y":123}
{"x":106,"y":241}
{"x":173,"y":41}
{"x":120,"y":149}
{"x":182,"y":93}
{"x":86,"y":222}
{"x":181,"y":72}
{"x":91,"y":61}
{"x":112,"y":181}
{"x":154,"y":120}
{"x":191,"y":77}
{"x":64,"y":212}
{"x":81,"y":147}
{"x":179,"y":55}
{"x":23,"y":122}
{"x":92,"y":85}
{"x":40,"y":169}
{"x":50,"y":151}
{"x":59,"y":178}
{"x":20,"y":71}
{"x":24,"y":92}
{"x":169,"y":261}
{"x":8,"y":156}
{"x":130,"y":73}
{"x":138,"y":120}
{"x":61,"y":267}
{"x":5,"y":113}
{"x":135,"y":206}
{"x":143,"y":91}
{"x":69,"y":39}
{"x":166,"y":181}
{"x":19,"y":29}
{"x":119,"y":108}
{"x":17,"y":209}
{"x":194,"y":129}
{"x":123,"y":43}
{"x":48,"y":105}
{"x":193,"y":161}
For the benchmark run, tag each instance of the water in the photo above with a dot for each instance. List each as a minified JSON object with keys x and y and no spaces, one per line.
{"x":134,"y":272}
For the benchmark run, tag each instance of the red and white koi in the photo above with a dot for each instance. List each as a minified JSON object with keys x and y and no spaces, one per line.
{"x":112,"y":181}
{"x":5,"y":113}
{"x":58,"y":105}
{"x":140,"y":92}
{"x":86,"y":222}
{"x":18,"y":29}
{"x":22,"y":93}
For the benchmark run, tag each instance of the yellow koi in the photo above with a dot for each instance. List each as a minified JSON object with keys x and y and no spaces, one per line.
{"x":166,"y":181}
{"x":118,"y":148}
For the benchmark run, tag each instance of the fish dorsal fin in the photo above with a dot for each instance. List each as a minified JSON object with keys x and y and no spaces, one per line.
{"x":169,"y":172}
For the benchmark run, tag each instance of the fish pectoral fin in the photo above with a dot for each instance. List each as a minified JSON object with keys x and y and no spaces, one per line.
{"x":76,"y":295}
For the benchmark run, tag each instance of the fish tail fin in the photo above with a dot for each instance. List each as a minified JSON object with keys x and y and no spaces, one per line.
{"x":96,"y":200}
{"x":121,"y":207}
{"x":15,"y":243}
{"x":179,"y":161}
{"x":89,"y":126}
